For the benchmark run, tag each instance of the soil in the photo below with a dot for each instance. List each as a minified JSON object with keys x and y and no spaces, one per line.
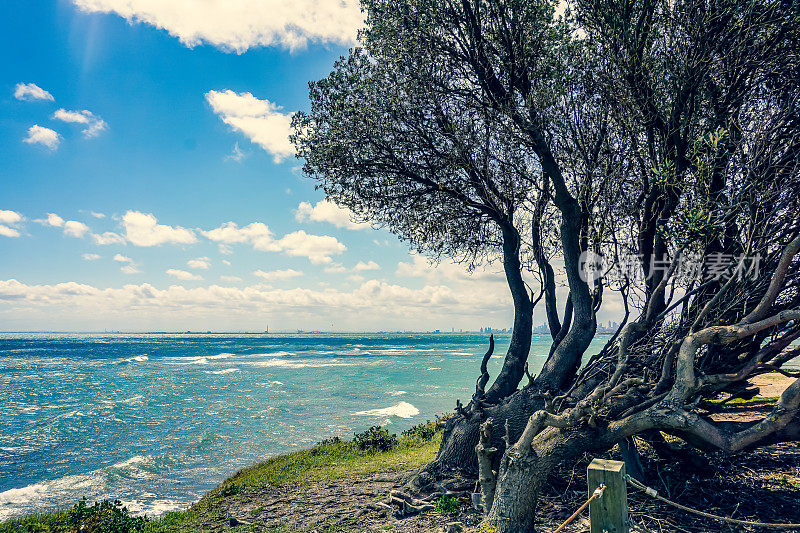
{"x":762,"y":486}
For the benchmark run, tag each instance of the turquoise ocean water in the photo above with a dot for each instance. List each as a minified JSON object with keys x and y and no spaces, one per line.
{"x":157,"y":420}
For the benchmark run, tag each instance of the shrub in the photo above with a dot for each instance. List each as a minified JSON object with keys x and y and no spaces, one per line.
{"x":446,"y":505}
{"x":423,"y":432}
{"x":104,"y":517}
{"x":375,"y":439}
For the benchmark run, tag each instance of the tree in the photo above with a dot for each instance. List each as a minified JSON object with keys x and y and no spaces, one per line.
{"x":662,"y":131}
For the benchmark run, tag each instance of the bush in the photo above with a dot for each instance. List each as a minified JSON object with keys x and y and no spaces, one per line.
{"x":375,"y":439}
{"x":447,"y":505}
{"x":423,"y":432}
{"x":104,"y":517}
{"x":328,"y":442}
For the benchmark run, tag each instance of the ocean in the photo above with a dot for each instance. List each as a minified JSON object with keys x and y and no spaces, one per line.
{"x":158,"y":420}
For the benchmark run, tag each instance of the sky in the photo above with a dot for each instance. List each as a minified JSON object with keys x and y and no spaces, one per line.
{"x":147,"y":182}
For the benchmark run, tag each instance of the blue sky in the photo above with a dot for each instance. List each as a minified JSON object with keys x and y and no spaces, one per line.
{"x":147,"y":182}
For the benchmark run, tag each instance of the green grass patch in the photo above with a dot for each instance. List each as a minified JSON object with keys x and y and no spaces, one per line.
{"x":740,"y":402}
{"x":331,"y":459}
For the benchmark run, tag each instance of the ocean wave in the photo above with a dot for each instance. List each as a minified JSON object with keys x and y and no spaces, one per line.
{"x":280,"y":353}
{"x":434,"y":368}
{"x":137,"y":359}
{"x":282,"y":363}
{"x":223,"y":371}
{"x":96,"y":484}
{"x":401,"y":410}
{"x":397,"y":393}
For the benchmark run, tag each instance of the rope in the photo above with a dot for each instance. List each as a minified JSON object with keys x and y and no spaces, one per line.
{"x":654,"y":494}
{"x":598,"y":493}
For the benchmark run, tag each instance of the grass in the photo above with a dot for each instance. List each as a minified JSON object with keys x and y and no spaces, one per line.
{"x":324,"y":462}
{"x":739,"y":402}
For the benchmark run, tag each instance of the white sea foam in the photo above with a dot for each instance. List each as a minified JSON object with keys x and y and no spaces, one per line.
{"x":94,"y":485}
{"x":271,"y":354}
{"x":397,"y":393}
{"x":282,"y":363}
{"x":137,"y":359}
{"x":434,"y":368}
{"x":223,"y":371}
{"x":134,"y":400}
{"x":401,"y":410}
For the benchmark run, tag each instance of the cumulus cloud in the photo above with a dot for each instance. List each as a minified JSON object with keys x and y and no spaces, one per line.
{"x":53,"y":220}
{"x":94,"y":124}
{"x":260,"y":120}
{"x":237,"y":25}
{"x":90,"y":257}
{"x":183,"y":274}
{"x":327,"y":211}
{"x":143,"y":229}
{"x":7,"y":219}
{"x":370,"y":265}
{"x":122,"y":259}
{"x":73,"y":228}
{"x":372,"y":304}
{"x":109,"y":237}
{"x":278,"y":274}
{"x":5,"y":231}
{"x":45,"y":136}
{"x":446,"y":270}
{"x":97,"y":215}
{"x":317,"y":248}
{"x":130,"y":269}
{"x":31,"y":91}
{"x":199,"y":263}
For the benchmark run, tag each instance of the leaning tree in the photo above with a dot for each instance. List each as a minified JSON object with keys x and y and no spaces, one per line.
{"x":660,"y":136}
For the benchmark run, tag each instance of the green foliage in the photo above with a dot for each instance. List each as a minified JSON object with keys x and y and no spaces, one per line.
{"x":104,"y":517}
{"x":447,"y":505}
{"x":375,"y":439}
{"x":421,"y":431}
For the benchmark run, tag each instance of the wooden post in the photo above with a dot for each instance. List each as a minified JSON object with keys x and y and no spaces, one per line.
{"x":610,"y":512}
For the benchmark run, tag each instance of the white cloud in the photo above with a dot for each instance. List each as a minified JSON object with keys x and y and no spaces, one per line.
{"x":109,"y":237}
{"x":278,"y":274}
{"x":236,"y":154}
{"x":226,"y":262}
{"x":9,"y":217}
{"x":122,"y":259}
{"x":94,"y":124}
{"x":362,"y":266}
{"x":96,"y":214}
{"x":446,"y":270}
{"x":237,"y":25}
{"x":327,"y":211}
{"x":91,"y":257}
{"x":5,"y":231}
{"x":54,"y":220}
{"x":317,"y":248}
{"x":73,"y":228}
{"x":372,"y":304}
{"x":130,"y":269}
{"x":44,"y":136}
{"x":199,"y":263}
{"x":230,"y":278}
{"x":31,"y":91}
{"x":255,"y":233}
{"x":335,"y":268}
{"x":142,"y":229}
{"x":183,"y":274}
{"x":260,"y":120}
